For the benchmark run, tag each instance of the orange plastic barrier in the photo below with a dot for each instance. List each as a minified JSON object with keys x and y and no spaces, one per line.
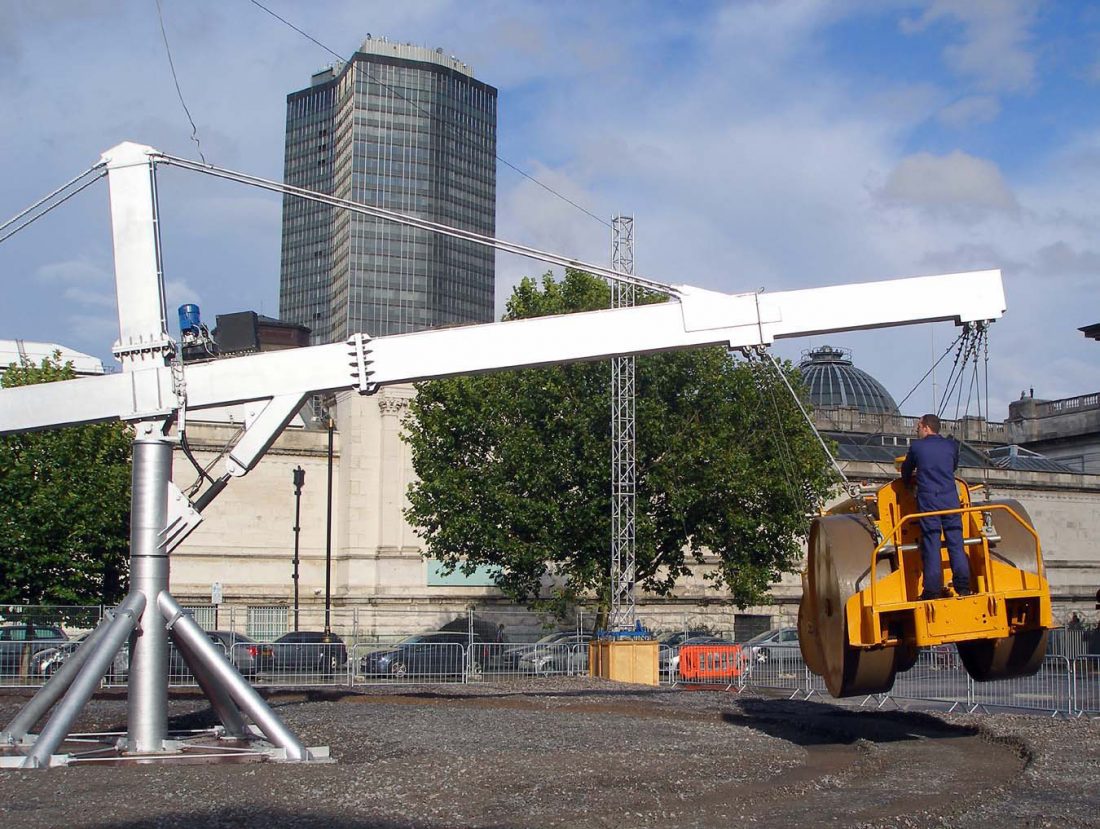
{"x":704,"y":662}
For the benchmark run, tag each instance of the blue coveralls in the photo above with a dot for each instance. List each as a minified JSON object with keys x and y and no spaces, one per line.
{"x":935,"y":459}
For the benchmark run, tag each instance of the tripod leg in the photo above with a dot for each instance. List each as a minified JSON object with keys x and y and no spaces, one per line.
{"x":223,"y":675}
{"x":227,"y":711}
{"x":85,"y":682}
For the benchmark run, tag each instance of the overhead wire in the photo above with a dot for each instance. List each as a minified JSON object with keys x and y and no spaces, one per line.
{"x":867,"y":440}
{"x":766,"y":395}
{"x":175,"y":80}
{"x":397,"y":93}
{"x":100,"y":173}
{"x":969,"y":341}
{"x":933,"y":368}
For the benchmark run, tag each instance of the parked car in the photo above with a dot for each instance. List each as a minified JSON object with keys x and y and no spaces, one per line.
{"x":45,"y":663}
{"x":568,"y":655}
{"x":308,"y":651}
{"x":507,"y":659}
{"x":775,"y":647}
{"x":440,"y":653}
{"x":674,"y":638}
{"x":247,"y":655}
{"x":21,"y":642}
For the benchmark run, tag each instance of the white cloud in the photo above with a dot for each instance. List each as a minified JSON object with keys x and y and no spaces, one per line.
{"x":84,"y":296}
{"x":1062,"y":258}
{"x":959,"y":183}
{"x":974,"y":109}
{"x":995,"y":50}
{"x":74,"y":271}
{"x":176,"y":293}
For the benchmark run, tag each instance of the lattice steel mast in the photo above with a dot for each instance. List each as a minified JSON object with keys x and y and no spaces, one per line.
{"x":623,"y":469}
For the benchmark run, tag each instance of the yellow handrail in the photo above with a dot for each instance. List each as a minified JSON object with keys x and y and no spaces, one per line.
{"x":960,"y":511}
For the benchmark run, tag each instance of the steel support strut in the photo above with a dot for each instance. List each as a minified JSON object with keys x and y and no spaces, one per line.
{"x":85,"y":683}
{"x":222,"y":675}
{"x":55,"y":688}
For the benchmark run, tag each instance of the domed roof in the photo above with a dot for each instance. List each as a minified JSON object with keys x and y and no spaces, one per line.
{"x":833,"y":381}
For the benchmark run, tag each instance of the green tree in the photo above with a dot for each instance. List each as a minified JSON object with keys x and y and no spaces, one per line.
{"x":514,"y":468}
{"x":64,"y":506}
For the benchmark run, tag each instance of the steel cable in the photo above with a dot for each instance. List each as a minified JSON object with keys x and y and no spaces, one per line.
{"x":421,"y":224}
{"x":97,"y":167}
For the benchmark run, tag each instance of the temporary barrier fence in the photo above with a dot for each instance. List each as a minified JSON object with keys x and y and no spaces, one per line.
{"x":1049,"y":690}
{"x":721,"y":665}
{"x":1070,"y":642}
{"x":936,"y":677}
{"x":1064,"y":685}
{"x":1086,"y":686}
{"x":409,"y":662}
{"x":780,"y":671}
{"x":503,"y":660}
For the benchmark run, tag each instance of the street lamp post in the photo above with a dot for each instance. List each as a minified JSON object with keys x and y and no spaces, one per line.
{"x":299,"y":481}
{"x":328,"y":535}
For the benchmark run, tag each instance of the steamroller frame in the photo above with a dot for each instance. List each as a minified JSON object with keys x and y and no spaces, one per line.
{"x":1006,"y":600}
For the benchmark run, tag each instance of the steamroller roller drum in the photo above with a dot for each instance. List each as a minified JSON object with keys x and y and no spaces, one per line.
{"x":1016,"y":545}
{"x":905,"y":657}
{"x":838,"y":567}
{"x":1020,"y":654}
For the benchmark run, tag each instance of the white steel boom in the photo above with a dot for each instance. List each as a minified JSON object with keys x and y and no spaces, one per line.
{"x":699,"y":318}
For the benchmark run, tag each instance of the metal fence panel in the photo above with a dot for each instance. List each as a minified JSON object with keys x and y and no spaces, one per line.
{"x":503,"y":660}
{"x":1086,"y":686}
{"x":937,"y":676}
{"x":550,"y":660}
{"x":266,"y":624}
{"x":783,"y":669}
{"x":1070,"y":642}
{"x":297,"y":663}
{"x":1050,"y":689}
{"x":666,"y":669}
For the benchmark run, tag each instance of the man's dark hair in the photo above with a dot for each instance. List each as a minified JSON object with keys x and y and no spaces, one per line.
{"x":932,"y":422}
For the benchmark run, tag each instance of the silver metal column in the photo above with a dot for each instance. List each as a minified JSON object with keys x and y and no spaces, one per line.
{"x":148,"y":694}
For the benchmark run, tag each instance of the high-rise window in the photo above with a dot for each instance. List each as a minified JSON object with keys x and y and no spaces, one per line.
{"x":410,"y":130}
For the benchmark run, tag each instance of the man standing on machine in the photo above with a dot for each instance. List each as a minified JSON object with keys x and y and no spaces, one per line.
{"x":935,"y":458}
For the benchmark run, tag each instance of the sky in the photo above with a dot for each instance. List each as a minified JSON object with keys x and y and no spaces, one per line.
{"x":758,"y":145}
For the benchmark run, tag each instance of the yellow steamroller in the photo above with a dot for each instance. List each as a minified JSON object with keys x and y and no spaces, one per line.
{"x":860,"y":621}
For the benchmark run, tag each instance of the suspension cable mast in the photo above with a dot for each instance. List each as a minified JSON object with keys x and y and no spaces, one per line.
{"x":623,"y":468}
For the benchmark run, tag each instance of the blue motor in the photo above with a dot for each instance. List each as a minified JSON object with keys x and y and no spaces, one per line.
{"x":190,"y":322}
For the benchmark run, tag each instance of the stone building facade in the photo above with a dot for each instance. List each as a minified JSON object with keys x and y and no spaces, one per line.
{"x":381,"y":583}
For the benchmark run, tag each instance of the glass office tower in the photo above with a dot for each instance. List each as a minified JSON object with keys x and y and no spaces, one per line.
{"x":411,"y":130}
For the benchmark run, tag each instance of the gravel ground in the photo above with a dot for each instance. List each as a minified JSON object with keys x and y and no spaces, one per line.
{"x":582,"y":752}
